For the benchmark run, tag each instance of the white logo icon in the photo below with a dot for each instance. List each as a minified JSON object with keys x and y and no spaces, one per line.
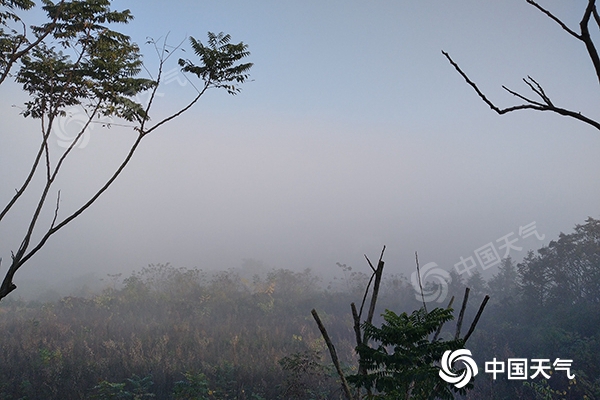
{"x":462,"y":378}
{"x":431,"y":272}
{"x":69,"y":126}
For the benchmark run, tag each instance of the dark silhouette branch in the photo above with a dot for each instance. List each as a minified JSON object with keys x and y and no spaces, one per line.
{"x":474,"y":323}
{"x":584,"y":36}
{"x":356,"y":319}
{"x":546,"y":104}
{"x":461,"y":314}
{"x":420,"y":283}
{"x":439,"y":329}
{"x":333,"y":354}
{"x":378,"y":274}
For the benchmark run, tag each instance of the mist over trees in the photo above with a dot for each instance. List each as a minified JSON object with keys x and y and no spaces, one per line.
{"x":177,"y":333}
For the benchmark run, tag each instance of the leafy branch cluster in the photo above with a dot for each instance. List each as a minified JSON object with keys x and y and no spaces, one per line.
{"x":404,"y":360}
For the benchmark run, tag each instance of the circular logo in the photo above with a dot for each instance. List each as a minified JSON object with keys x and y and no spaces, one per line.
{"x":436,"y":292}
{"x":69,"y":127}
{"x":464,"y":376}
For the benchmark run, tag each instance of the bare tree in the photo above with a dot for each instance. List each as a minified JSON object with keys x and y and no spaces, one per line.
{"x":77,"y":60}
{"x":541,"y":100}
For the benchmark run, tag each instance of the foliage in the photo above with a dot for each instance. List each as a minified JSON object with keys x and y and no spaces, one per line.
{"x":403,"y":363}
{"x":136,"y":388}
{"x":219,"y":57}
{"x":229,"y":335}
{"x":214,"y":331}
{"x":549,"y":308}
{"x":194,"y":387}
{"x":78,"y":61}
{"x":306,"y":376}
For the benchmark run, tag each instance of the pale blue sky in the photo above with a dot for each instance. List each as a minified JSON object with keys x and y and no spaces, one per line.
{"x":354,"y":133}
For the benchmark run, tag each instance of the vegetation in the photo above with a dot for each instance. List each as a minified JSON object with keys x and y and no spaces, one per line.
{"x":402,"y":365}
{"x":176,"y":333}
{"x":76,"y":61}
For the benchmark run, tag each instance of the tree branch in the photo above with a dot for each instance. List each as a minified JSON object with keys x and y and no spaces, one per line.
{"x":18,"y":54}
{"x":586,"y":37}
{"x":420,"y":284}
{"x":378,"y":275}
{"x":531,"y":104}
{"x":439,"y":329}
{"x":333,"y":354}
{"x":555,"y":19}
{"x":462,"y":313}
{"x":474,"y":323}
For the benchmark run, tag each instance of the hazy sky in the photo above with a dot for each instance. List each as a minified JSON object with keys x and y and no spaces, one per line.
{"x":355,"y":132}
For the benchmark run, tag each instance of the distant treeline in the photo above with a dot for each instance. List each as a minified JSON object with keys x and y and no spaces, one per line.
{"x":176,"y":333}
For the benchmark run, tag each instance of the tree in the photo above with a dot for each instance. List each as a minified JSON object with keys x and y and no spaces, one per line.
{"x":503,"y":286}
{"x":543,"y":101}
{"x":404,"y":361}
{"x":477,"y":285}
{"x":534,"y":282}
{"x":411,"y":370}
{"x":574,"y":265}
{"x":76,"y":59}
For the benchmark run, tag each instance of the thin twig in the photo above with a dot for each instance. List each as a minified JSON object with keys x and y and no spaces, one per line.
{"x":369,"y":261}
{"x":364,"y":299}
{"x":420,"y":284}
{"x":439,"y":329}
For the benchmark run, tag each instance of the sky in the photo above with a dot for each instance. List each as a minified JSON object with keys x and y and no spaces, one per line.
{"x":354,"y":132}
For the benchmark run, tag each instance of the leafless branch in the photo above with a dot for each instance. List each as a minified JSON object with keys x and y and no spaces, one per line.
{"x":56,"y":210}
{"x":554,"y":18}
{"x":370,"y":264}
{"x":546,"y":104}
{"x":333,"y":354}
{"x":356,"y":320}
{"x":439,"y":329}
{"x":420,"y":284}
{"x":364,"y":299}
{"x":529,"y":104}
{"x":462,"y":313}
{"x":474,"y":323}
{"x":375,"y":294}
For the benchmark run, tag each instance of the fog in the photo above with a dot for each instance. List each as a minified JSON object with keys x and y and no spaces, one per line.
{"x":354,"y":133}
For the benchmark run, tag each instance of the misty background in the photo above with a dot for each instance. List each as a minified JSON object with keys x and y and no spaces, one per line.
{"x":355,"y":132}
